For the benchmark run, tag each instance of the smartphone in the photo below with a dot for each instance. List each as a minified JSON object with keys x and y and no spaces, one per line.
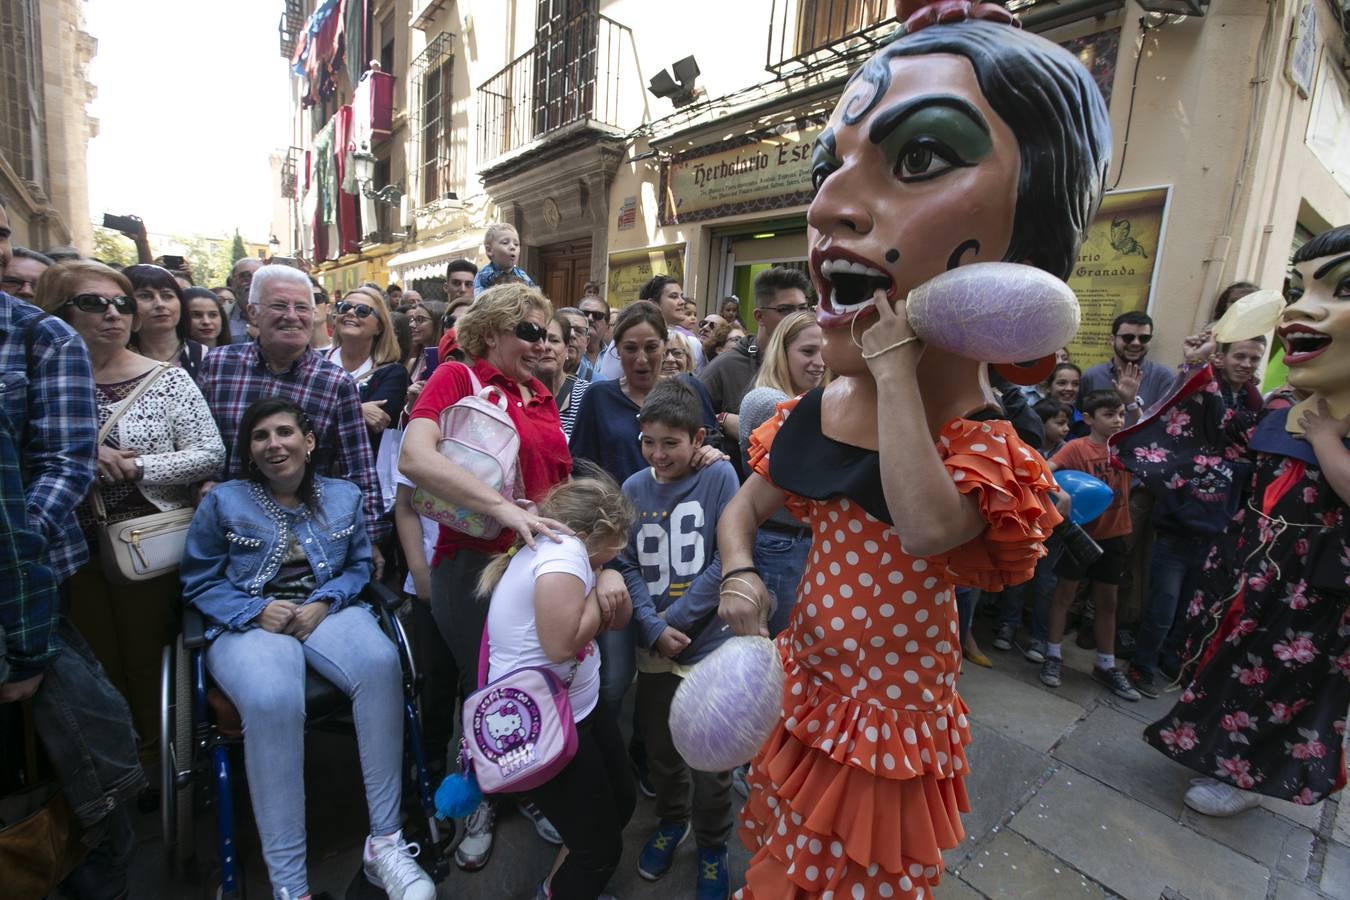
{"x":429,"y":361}
{"x":124,"y":224}
{"x":171,"y":262}
{"x":284,"y":261}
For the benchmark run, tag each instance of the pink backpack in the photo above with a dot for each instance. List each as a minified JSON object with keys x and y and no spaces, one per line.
{"x":477,"y":434}
{"x":518,"y":731}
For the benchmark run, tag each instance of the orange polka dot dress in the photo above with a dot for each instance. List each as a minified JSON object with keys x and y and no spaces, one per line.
{"x":860,"y":787}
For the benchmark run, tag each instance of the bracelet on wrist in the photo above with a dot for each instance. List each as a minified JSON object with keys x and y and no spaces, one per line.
{"x":743,"y":570}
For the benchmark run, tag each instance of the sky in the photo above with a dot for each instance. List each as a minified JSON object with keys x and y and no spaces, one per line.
{"x":192,"y":97}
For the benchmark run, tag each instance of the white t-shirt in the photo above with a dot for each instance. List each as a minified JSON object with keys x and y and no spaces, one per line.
{"x":512,"y":637}
{"x":431,"y":530}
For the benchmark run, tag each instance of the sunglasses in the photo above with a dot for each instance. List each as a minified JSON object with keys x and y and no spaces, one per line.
{"x":596,"y":315}
{"x":1132,"y":338}
{"x":531,"y":333}
{"x":360,"y":310}
{"x":320,"y":298}
{"x":94,"y":303}
{"x":707,"y":324}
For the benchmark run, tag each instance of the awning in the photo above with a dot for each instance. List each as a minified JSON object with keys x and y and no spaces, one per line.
{"x":430,"y":261}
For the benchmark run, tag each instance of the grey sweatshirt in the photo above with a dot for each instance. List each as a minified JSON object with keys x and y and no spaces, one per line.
{"x":671,"y":564}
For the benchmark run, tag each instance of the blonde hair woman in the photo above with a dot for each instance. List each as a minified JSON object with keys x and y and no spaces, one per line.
{"x":792,"y":365}
{"x":503,"y":334}
{"x":365,"y":345}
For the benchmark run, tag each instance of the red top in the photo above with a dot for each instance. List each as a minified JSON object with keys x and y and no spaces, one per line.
{"x":544,"y":460}
{"x":1095,"y":459}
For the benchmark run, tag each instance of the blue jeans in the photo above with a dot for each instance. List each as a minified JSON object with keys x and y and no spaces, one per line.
{"x":1173,"y":577}
{"x":263,"y":674}
{"x":618,"y":665}
{"x":781,"y":559}
{"x":1041,"y":589}
{"x":966,"y":599}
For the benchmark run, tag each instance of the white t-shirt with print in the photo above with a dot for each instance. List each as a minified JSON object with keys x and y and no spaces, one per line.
{"x":512,"y":637}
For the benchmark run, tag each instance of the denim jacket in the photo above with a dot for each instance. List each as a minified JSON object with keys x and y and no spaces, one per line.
{"x":238,"y":541}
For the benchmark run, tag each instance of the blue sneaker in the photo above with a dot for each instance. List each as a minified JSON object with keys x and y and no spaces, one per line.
{"x":657,"y":853}
{"x":714,"y":881}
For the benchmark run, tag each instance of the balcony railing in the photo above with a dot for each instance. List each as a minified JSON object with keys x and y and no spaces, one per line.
{"x":811,"y":33}
{"x":570,"y":76}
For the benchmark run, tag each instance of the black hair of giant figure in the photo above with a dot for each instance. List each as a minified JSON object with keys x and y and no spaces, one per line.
{"x":1051,"y":104}
{"x":1336,"y":240}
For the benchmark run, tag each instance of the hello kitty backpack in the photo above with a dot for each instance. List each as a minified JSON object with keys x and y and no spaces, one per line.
{"x":518,"y":731}
{"x":478,"y":435}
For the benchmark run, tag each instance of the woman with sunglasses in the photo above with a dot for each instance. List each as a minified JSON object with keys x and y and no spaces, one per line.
{"x":162,"y":333}
{"x":159,"y":445}
{"x":503,"y":334}
{"x":365,"y":345}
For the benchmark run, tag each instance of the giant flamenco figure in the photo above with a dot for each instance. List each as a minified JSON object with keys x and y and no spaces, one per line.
{"x":963,"y":145}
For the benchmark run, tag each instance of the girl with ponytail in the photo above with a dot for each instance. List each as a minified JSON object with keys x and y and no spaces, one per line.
{"x":545,"y":611}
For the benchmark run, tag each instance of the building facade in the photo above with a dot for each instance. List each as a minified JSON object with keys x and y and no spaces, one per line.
{"x":44,"y":124}
{"x":625,"y":138}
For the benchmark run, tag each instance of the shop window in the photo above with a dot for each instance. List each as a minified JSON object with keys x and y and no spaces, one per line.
{"x":432,"y":78}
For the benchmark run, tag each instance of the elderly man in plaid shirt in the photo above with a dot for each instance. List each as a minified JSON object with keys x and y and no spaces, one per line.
{"x":48,"y":431}
{"x":281,"y":363}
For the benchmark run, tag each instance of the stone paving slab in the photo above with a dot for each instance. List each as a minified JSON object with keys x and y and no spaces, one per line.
{"x":1262,"y":835}
{"x":1132,"y":849}
{"x":1341,"y":829}
{"x":1336,"y":871}
{"x":1037,"y":719}
{"x":1108,"y":746}
{"x":1011,"y":866}
{"x":1003,"y":773}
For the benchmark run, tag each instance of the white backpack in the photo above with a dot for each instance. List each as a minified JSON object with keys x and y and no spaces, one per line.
{"x":478,"y":435}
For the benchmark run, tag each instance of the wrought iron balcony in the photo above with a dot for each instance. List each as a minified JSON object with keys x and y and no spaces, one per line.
{"x":807,"y":34}
{"x":571,"y":76}
{"x":290,"y":26}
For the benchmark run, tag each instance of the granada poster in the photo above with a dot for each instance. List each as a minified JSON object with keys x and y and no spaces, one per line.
{"x":1117,"y":266}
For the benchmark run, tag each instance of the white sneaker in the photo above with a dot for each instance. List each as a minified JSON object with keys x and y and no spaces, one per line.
{"x":1214,"y":798}
{"x":390,"y":866}
{"x":542,"y":826}
{"x":473,"y":851}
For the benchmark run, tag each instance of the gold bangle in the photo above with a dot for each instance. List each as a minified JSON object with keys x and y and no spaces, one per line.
{"x":753,"y":601}
{"x":900,"y":343}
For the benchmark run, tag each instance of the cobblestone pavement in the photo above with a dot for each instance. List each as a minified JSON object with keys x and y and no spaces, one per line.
{"x":1067,"y":801}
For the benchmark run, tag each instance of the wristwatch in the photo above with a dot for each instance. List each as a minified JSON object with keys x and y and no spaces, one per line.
{"x":1132,"y":406}
{"x":140,"y":468}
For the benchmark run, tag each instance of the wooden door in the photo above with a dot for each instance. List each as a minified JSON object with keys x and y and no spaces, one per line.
{"x":565,"y":269}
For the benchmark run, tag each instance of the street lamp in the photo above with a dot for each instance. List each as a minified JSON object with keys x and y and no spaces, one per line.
{"x":390,"y":194}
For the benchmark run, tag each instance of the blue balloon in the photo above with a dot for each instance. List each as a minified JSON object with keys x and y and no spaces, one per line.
{"x":1090,"y":496}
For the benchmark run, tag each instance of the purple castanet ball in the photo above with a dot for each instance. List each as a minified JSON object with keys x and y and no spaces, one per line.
{"x":728,"y":704}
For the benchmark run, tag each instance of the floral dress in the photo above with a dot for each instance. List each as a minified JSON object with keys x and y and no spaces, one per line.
{"x":1269,"y":635}
{"x":860,"y":787}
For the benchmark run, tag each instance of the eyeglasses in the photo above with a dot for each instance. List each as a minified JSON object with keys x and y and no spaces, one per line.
{"x":788,"y":309}
{"x":280,"y":309}
{"x":447,"y":321}
{"x":595,"y":315}
{"x":12,"y":284}
{"x":320,"y":298}
{"x":707,"y":325}
{"x":360,"y":310}
{"x":531,"y":333}
{"x":95,"y":303}
{"x":1132,"y":338}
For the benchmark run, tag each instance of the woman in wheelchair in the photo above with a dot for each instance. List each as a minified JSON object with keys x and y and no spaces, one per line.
{"x":275,"y":564}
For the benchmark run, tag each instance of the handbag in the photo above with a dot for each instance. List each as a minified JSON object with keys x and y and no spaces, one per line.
{"x":518,"y":730}
{"x":145,"y":547}
{"x":477,"y":435}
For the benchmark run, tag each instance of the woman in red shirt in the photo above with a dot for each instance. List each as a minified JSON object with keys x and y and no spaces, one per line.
{"x":503,"y":334}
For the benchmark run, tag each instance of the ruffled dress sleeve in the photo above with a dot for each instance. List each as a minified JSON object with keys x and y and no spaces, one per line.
{"x":1012,"y":484}
{"x":761,"y":441}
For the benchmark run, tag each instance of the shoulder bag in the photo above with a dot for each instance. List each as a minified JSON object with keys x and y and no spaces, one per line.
{"x":145,"y":547}
{"x":518,"y":730}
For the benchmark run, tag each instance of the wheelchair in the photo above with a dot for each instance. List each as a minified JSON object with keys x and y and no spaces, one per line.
{"x":201,"y":737}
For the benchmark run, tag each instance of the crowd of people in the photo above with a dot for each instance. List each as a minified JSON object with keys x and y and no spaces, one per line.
{"x":297,"y":435}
